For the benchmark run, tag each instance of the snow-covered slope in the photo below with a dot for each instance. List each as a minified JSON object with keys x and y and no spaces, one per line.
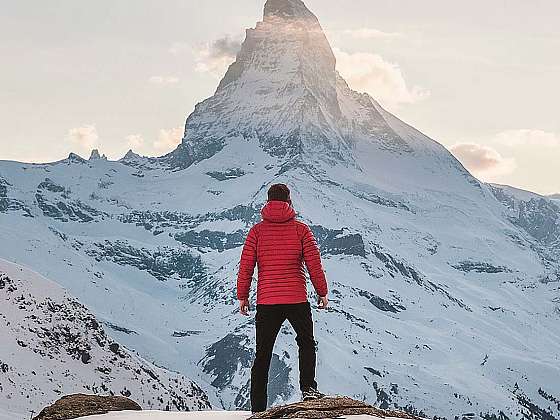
{"x":159,"y":415}
{"x":52,"y":345}
{"x":443,"y":301}
{"x":215,"y":415}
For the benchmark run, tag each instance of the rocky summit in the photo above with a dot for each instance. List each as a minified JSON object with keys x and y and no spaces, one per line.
{"x":329,"y":408}
{"x":445,"y":290}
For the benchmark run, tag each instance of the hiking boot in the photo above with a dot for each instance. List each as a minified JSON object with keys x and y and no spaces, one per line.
{"x":311,"y":394}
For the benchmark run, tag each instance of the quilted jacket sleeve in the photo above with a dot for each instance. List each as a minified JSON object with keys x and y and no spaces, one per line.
{"x":247,"y":265}
{"x":312,"y":259}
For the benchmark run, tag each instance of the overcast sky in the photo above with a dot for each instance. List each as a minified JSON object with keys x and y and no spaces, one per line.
{"x":481,"y":77}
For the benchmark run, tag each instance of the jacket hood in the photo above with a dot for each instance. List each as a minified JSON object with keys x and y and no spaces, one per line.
{"x":277,"y":211}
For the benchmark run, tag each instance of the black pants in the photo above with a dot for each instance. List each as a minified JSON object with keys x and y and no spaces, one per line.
{"x":268,"y":321}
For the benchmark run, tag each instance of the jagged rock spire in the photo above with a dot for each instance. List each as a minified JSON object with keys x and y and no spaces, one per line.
{"x":96,"y":156}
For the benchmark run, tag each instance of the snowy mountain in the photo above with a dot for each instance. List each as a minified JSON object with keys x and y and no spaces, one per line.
{"x":539,"y":217}
{"x":445,"y":290}
{"x":52,"y":345}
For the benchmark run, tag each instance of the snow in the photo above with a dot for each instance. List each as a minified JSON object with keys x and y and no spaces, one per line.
{"x":210,"y":415}
{"x":9,"y":415}
{"x":518,"y":192}
{"x":162,"y":415}
{"x":53,"y":346}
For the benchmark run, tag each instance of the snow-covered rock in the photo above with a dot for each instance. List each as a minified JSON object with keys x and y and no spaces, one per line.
{"x":52,"y":345}
{"x":445,"y":295}
{"x":96,"y":156}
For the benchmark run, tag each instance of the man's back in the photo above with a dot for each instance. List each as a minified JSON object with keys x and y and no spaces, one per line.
{"x":280,"y":245}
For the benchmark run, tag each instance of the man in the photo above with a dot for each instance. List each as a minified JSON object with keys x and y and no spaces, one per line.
{"x":280,"y":245}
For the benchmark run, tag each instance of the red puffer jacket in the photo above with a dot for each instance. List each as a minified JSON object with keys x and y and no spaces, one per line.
{"x":279,"y":245}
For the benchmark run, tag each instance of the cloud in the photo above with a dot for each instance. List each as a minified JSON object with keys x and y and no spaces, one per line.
{"x":529,"y":137}
{"x":168,"y":139}
{"x":483,"y":161}
{"x":135,"y":141}
{"x":370,"y":33}
{"x":85,"y":137}
{"x":383,"y":80}
{"x":215,"y":57}
{"x":179,"y":48}
{"x":164,"y":80}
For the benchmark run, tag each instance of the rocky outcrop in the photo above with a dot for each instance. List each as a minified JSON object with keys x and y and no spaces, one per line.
{"x":81,"y":405}
{"x":329,"y":408}
{"x":95,"y":155}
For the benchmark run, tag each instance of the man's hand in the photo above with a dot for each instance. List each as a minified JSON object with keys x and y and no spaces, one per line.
{"x":323,"y":302}
{"x":244,"y":307}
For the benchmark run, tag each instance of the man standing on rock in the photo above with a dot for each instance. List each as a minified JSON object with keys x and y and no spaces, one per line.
{"x":280,"y":245}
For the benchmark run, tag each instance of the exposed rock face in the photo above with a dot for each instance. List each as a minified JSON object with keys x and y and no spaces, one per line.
{"x":75,"y":158}
{"x":329,"y":408}
{"x":81,"y":405}
{"x":539,"y":216}
{"x":95,"y":155}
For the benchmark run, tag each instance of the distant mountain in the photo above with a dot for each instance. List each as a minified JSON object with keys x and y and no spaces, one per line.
{"x":52,"y":345}
{"x":539,"y":217}
{"x":445,"y":297}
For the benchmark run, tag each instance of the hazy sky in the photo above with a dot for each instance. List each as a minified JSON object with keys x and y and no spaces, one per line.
{"x":482,"y":77}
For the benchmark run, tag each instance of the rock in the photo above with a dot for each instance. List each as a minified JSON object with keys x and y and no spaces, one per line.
{"x":81,"y":405}
{"x":114,"y":347}
{"x":86,"y":357}
{"x":96,"y":156}
{"x":130,"y":155}
{"x":74,"y":158}
{"x":329,"y":408}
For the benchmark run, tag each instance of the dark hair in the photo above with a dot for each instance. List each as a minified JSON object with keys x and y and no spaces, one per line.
{"x":279,"y":192}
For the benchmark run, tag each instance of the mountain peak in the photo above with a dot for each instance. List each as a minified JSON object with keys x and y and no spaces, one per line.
{"x":280,"y":91}
{"x":130,"y":155}
{"x":96,"y":156}
{"x":287,"y":9}
{"x":283,"y":91}
{"x":75,"y":158}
